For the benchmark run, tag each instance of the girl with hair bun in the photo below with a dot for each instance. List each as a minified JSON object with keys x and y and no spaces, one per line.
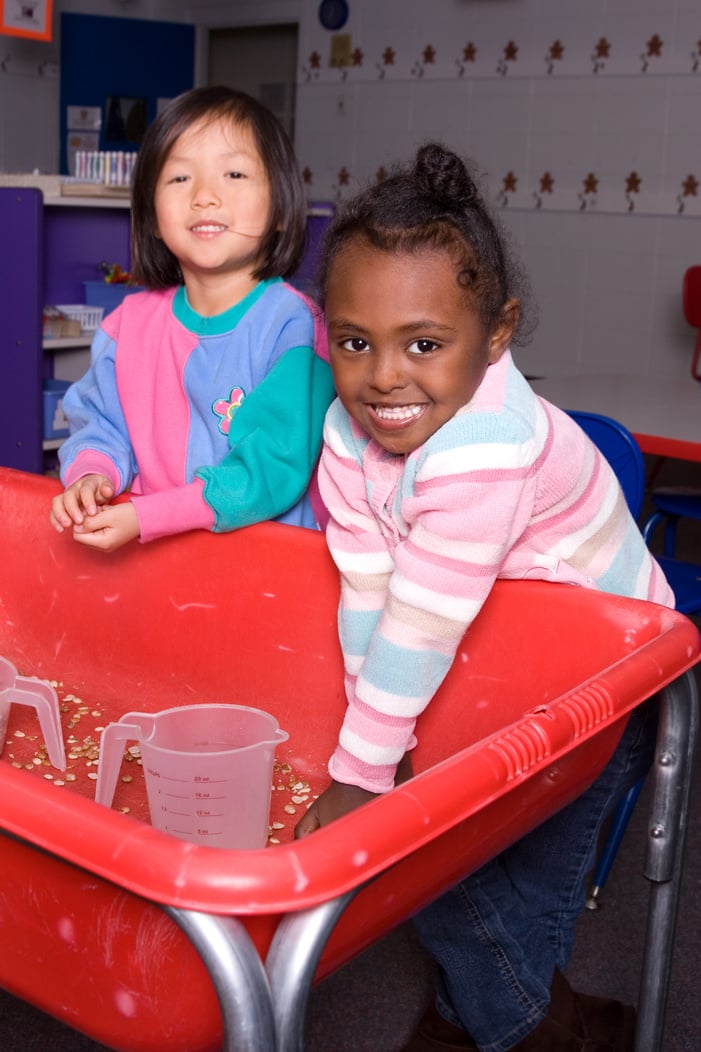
{"x":442,"y":471}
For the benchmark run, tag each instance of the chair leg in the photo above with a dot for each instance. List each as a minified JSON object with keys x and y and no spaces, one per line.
{"x":672,"y":773}
{"x":619,"y":824}
{"x":696,"y":360}
{"x":670,"y":535}
{"x":654,"y":471}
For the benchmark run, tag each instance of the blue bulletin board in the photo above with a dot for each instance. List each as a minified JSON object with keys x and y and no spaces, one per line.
{"x":121,"y":67}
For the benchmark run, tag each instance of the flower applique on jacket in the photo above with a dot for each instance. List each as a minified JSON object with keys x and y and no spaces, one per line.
{"x":226,"y":407}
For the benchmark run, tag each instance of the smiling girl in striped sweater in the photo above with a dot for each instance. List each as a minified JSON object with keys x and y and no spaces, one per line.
{"x":443,"y":471}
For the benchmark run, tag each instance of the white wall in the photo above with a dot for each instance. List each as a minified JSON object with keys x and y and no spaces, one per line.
{"x":606,"y":266}
{"x":488,"y":78}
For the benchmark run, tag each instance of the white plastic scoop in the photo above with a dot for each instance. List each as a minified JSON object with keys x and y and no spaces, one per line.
{"x":40,"y":695}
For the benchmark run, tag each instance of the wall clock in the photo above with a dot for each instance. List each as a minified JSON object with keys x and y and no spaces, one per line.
{"x":333,"y":14}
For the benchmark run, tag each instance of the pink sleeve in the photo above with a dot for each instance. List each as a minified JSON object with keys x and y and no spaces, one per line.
{"x":88,"y":462}
{"x":173,"y":511}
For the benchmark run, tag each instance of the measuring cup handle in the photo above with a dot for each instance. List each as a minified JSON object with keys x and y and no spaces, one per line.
{"x":111,"y":758}
{"x":42,"y":697}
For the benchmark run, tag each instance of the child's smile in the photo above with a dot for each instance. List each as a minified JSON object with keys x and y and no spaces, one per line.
{"x":407,"y":351}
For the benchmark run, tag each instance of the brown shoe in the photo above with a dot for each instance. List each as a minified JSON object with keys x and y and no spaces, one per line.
{"x":574,"y":1023}
{"x":436,"y":1034}
{"x":599,"y":1017}
{"x":581,"y":1023}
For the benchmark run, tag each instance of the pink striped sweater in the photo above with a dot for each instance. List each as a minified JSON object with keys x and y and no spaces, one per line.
{"x":509,"y":487}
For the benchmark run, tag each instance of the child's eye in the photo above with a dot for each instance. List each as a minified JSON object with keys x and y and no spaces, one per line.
{"x":422,"y":346}
{"x":355,"y":343}
{"x":235,"y":175}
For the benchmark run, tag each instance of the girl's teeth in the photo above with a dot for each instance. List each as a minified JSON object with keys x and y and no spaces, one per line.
{"x":400,"y":412}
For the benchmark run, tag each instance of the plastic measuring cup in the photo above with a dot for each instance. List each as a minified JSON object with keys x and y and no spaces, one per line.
{"x":24,"y":690}
{"x":208,"y":770}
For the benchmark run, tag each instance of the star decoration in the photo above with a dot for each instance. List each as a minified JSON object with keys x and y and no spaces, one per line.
{"x":510,"y":182}
{"x":357,"y":57}
{"x":602,"y":48}
{"x":343,"y":177}
{"x":388,"y":56}
{"x":307,"y":175}
{"x":546,"y":183}
{"x":654,"y":46}
{"x":591,"y":184}
{"x":469,"y":52}
{"x":429,"y":55}
{"x":556,"y":51}
{"x":511,"y":52}
{"x":315,"y":60}
{"x":633,"y":182}
{"x":690,"y":186}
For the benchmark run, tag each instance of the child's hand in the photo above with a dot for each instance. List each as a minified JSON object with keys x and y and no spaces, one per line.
{"x":109,"y":528}
{"x":79,"y":500}
{"x":340,"y":799}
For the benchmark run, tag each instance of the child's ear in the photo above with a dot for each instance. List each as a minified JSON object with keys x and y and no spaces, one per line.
{"x":503,"y":332}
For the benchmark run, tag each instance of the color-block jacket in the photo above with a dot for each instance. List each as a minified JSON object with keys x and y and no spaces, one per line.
{"x":211,"y":423}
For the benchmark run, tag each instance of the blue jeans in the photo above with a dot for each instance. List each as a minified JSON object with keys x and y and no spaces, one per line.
{"x":499,"y":935}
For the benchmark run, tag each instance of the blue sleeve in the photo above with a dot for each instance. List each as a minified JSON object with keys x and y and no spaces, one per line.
{"x":95,"y":415}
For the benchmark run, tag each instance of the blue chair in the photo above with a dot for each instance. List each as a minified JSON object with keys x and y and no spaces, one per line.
{"x":672,"y":504}
{"x":623,"y":454}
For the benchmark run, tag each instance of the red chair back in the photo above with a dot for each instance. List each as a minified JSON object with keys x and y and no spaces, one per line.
{"x":691,"y":299}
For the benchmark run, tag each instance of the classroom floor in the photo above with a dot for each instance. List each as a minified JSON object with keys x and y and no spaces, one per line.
{"x":372,"y":1004}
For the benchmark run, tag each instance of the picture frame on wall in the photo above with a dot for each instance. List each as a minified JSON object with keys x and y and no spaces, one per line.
{"x":26,"y":18}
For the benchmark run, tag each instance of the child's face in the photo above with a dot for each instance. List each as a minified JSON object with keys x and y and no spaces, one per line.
{"x":213,"y":200}
{"x":406,"y":350}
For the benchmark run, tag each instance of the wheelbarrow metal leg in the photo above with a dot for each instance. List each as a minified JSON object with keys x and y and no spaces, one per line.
{"x":239,"y":978}
{"x":292,"y":961}
{"x":676,"y":745}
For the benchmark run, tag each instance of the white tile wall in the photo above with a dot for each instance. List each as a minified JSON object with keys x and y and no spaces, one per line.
{"x":610,"y":89}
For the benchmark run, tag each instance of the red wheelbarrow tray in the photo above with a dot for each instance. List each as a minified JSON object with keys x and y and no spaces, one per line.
{"x":530,"y":712}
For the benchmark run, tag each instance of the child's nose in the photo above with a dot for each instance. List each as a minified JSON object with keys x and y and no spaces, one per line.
{"x":388,"y":373}
{"x":204,"y":195}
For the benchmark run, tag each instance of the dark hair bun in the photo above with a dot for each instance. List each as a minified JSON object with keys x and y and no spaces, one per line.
{"x":441,"y":174}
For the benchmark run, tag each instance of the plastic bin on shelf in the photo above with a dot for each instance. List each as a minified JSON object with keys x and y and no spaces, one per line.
{"x":55,"y":423}
{"x":108,"y":296}
{"x":89,"y":317}
{"x":147,"y":942}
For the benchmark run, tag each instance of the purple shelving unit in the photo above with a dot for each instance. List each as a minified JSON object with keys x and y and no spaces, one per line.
{"x":21,"y":366}
{"x":49,"y":251}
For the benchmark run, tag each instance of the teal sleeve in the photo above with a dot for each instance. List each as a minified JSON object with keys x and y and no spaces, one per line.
{"x":274,"y":441}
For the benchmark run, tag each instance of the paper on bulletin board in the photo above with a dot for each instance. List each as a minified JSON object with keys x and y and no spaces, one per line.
{"x":18,"y":18}
{"x":84,"y":118}
{"x":80,"y":140}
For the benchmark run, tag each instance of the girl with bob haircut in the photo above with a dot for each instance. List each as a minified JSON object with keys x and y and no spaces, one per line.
{"x":206,"y":393}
